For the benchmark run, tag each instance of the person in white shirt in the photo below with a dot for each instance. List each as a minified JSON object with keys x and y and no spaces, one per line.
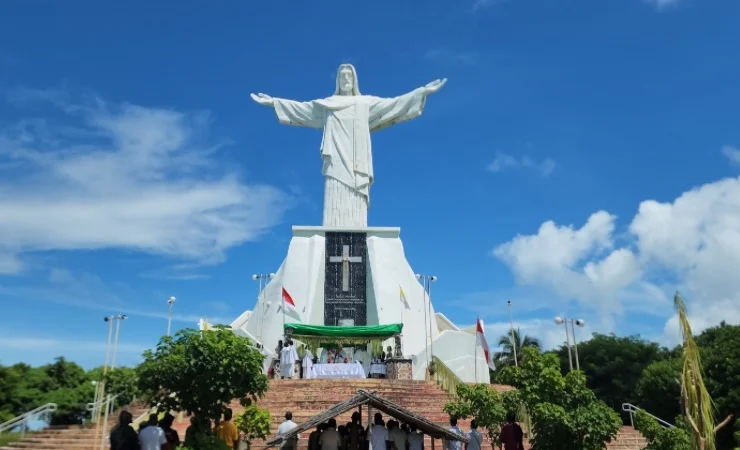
{"x":285,"y":428}
{"x":415,"y":439}
{"x":475,"y":438}
{"x":452,"y":444}
{"x":330,"y":438}
{"x":288,"y":357}
{"x":152,"y":437}
{"x":379,"y":435}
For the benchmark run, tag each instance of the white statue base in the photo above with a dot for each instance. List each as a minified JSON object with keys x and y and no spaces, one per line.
{"x":302,"y":275}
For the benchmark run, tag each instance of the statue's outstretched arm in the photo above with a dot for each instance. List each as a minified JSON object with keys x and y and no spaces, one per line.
{"x":263,"y":99}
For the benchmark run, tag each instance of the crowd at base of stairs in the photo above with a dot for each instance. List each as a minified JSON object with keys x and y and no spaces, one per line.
{"x":305,"y":399}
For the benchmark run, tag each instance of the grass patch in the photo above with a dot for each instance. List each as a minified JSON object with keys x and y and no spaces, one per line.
{"x":7,"y":438}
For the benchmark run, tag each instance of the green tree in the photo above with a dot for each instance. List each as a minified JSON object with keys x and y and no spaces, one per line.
{"x":613,"y":365}
{"x":505,"y":357}
{"x":202,"y":372}
{"x":486,"y":406}
{"x":697,"y":403}
{"x":121,"y":381}
{"x":720,"y":353}
{"x":565,"y":414}
{"x":659,"y":437}
{"x":658,"y":391}
{"x":253,"y":423}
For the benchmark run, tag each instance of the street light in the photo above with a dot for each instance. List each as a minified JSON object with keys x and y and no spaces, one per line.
{"x":427,"y":286}
{"x":119,"y":318}
{"x":573,"y":322}
{"x":170,"y":301}
{"x":513,"y":340}
{"x":259,"y":277}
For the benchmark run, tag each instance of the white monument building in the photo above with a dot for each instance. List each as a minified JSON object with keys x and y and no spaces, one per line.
{"x":345,"y":273}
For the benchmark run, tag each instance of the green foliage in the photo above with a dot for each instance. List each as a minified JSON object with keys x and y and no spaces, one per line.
{"x":659,"y":437}
{"x":486,"y":406}
{"x":8,"y":438}
{"x":505,"y":357}
{"x":253,"y":423}
{"x":565,"y":414}
{"x":202,"y":372}
{"x":205,"y":442}
{"x":121,"y":381}
{"x":613,"y":365}
{"x":658,"y":390}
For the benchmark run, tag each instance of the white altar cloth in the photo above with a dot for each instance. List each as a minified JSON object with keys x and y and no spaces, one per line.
{"x":377,"y":369}
{"x":353,"y":370}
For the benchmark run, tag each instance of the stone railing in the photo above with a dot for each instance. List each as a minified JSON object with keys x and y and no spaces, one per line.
{"x":445,"y":377}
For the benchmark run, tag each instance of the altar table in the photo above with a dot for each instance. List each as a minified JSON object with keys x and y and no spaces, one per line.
{"x":347,"y":370}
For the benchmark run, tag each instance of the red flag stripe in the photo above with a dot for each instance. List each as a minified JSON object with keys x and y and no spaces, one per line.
{"x":288,"y":299}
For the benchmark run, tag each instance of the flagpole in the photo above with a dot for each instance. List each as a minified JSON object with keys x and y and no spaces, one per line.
{"x":282,"y":294}
{"x":475,"y":349}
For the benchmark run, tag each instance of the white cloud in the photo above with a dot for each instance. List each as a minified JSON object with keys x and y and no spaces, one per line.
{"x":503,"y":162}
{"x":93,"y":175}
{"x":732,"y":153}
{"x":691,"y":244}
{"x":32,"y":343}
{"x":546,"y":331}
{"x":662,"y":4}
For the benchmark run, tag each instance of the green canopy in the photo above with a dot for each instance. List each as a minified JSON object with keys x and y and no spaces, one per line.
{"x":315,"y":336}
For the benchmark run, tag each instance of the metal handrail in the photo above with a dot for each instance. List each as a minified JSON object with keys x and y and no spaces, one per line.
{"x":22,"y":420}
{"x":98,"y":405}
{"x":632,"y":409}
{"x":446,"y":378}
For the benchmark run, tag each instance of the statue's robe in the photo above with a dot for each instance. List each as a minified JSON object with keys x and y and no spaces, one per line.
{"x":346,"y":151}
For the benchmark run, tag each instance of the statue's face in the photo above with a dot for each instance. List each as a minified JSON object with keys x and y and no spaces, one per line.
{"x":346,"y":81}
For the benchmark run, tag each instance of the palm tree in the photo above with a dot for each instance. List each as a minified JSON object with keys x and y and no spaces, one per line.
{"x":697,"y":405}
{"x":506,"y":356}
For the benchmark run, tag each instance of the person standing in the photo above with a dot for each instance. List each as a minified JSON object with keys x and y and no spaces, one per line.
{"x":288,"y":357}
{"x":396,"y":435}
{"x":512,"y":436}
{"x":451,"y":444}
{"x":123,"y":436}
{"x":379,"y":434}
{"x":152,"y":437}
{"x":354,"y":432}
{"x":475,"y":438}
{"x":415,"y":439}
{"x":286,"y":427}
{"x":173,"y":439}
{"x":330,"y":438}
{"x":226,"y":430}
{"x":313,"y":438}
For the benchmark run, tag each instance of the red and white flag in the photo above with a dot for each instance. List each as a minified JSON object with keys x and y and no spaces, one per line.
{"x":288,"y":302}
{"x":481,"y":337}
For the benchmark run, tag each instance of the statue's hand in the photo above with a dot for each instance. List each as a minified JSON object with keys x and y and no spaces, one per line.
{"x":434,"y":86}
{"x":262,"y":99}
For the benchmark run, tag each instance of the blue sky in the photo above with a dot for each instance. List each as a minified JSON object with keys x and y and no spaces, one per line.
{"x":582,"y":160}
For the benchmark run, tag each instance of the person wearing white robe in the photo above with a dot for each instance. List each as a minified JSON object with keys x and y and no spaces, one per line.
{"x":307,"y":364}
{"x":288,"y":357}
{"x":347,"y":119}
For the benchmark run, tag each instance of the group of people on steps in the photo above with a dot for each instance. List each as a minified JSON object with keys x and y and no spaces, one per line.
{"x":391,"y":435}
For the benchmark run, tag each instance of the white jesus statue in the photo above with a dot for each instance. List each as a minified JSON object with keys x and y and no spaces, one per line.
{"x":348,"y":118}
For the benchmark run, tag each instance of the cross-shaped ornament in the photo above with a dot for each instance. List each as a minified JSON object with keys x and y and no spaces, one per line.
{"x":345,"y":259}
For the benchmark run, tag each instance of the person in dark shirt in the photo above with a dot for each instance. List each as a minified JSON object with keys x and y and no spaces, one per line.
{"x":512,"y":436}
{"x":123,"y":436}
{"x":173,"y":439}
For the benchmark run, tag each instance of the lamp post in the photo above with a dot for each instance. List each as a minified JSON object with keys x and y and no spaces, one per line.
{"x":561,"y":321}
{"x":513,"y":336}
{"x":119,"y":319}
{"x":170,"y":302}
{"x":101,"y":385}
{"x":259,"y":277}
{"x":427,"y":285}
{"x":573,"y":323}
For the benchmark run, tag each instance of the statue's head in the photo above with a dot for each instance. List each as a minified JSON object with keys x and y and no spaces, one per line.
{"x":347,"y":81}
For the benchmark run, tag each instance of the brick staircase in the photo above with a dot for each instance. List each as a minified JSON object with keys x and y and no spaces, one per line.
{"x":306,"y":398}
{"x":68,"y":437}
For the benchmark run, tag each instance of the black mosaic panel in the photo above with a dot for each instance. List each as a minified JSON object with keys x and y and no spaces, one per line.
{"x":344,"y":307}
